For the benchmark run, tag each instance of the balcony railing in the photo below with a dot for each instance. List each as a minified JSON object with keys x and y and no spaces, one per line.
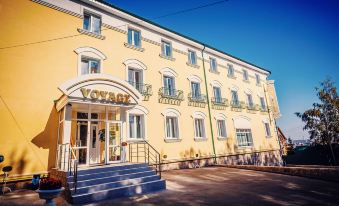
{"x":236,"y":104}
{"x":201,"y":98}
{"x":263,"y":109}
{"x":219,"y":101}
{"x":252,"y":107}
{"x":144,"y":89}
{"x":168,"y":93}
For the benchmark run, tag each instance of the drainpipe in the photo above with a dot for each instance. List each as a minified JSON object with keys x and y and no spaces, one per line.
{"x":208,"y":104}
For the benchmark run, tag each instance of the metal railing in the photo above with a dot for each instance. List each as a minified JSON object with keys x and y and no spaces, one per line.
{"x":253,"y":107}
{"x":165,"y":92}
{"x":142,"y":151}
{"x":219,"y":101}
{"x":236,"y":104}
{"x":66,"y":152}
{"x":201,"y":98}
{"x":144,"y":89}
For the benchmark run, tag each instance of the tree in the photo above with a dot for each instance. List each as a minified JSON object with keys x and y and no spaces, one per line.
{"x":322,"y":121}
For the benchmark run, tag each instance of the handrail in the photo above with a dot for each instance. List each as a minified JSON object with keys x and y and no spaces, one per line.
{"x":166,"y":92}
{"x":71,"y":157}
{"x":197,"y":98}
{"x":148,"y":153}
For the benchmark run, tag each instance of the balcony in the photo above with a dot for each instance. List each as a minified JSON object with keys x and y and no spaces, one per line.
{"x":237,"y":106}
{"x":144,"y":89}
{"x":252,"y":108}
{"x":263,"y":109}
{"x":219,"y":103}
{"x":197,"y":100}
{"x":170,"y":96}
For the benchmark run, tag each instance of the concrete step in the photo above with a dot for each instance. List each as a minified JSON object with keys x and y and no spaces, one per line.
{"x":100,"y":174}
{"x":100,"y":180}
{"x":117,"y":184}
{"x":112,"y":167}
{"x":124,"y":191}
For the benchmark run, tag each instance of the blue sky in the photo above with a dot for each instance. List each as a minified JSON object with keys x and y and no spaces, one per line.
{"x":297,"y":40}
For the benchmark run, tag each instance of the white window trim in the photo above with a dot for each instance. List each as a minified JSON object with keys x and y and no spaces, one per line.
{"x":90,"y":52}
{"x":135,"y":64}
{"x":92,"y":13}
{"x":163,"y":41}
{"x":216,"y":65}
{"x":265,"y":121}
{"x":199,"y":115}
{"x":171,"y":112}
{"x":133,"y":42}
{"x":137,"y":110}
{"x":221,"y":116}
{"x":189,"y":57}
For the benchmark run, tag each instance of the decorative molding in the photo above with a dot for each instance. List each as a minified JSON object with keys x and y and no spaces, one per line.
{"x":113,"y":28}
{"x":52,"y":6}
{"x":166,"y":57}
{"x":193,"y":65}
{"x":98,"y":36}
{"x":134,"y":47}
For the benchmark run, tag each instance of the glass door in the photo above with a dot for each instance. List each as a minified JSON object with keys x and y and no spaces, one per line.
{"x":94,"y":149}
{"x":113,"y":146}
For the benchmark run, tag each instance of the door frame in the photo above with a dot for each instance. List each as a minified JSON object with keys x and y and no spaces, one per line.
{"x":120,"y":123}
{"x":96,"y":125}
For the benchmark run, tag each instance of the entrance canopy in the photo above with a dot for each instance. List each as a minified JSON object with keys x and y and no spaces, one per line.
{"x":100,"y":89}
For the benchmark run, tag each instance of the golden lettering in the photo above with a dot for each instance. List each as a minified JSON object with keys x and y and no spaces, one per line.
{"x":103,"y":95}
{"x":120,"y":97}
{"x":127,"y":96}
{"x":111,"y":96}
{"x":85,"y":92}
{"x":94,"y":94}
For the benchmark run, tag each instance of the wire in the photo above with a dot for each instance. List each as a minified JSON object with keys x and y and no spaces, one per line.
{"x":76,"y":35}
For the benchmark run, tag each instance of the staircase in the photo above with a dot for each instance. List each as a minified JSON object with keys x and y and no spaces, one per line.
{"x":113,"y":181}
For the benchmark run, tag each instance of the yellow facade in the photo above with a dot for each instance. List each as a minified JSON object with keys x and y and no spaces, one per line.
{"x":35,"y":61}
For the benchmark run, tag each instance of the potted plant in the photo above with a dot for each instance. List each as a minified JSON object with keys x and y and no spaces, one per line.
{"x":49,"y":188}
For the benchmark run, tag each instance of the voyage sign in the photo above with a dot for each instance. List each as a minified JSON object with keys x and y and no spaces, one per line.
{"x":105,"y":96}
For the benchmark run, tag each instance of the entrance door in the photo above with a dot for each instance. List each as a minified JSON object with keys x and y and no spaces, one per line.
{"x":114,"y":142}
{"x":94,"y":149}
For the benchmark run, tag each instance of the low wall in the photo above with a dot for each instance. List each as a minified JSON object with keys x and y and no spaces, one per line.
{"x":318,"y":172}
{"x":272,"y":158}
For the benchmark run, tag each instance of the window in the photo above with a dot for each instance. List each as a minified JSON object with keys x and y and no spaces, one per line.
{"x":249,"y":100}
{"x":235,"y":100}
{"x":172,"y":131}
{"x":169,"y":87}
{"x":257,"y":78}
{"x":217,"y":94}
{"x":135,"y":78}
{"x":262,"y":103}
{"x":245,"y":75}
{"x":199,"y":128}
{"x":195,"y":87}
{"x":89,"y":66}
{"x":244,"y":137}
{"x":92,"y":23}
{"x":134,"y":37}
{"x":192,"y":57}
{"x":267,"y":129}
{"x":230,"y":71}
{"x":166,"y":49}
{"x":136,"y":126}
{"x":221,"y":124}
{"x":213,"y":65}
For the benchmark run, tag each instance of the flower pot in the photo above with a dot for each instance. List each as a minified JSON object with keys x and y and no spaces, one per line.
{"x":49,"y":195}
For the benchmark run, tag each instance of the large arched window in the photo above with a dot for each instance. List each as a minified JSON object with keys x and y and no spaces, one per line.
{"x":243,"y":131}
{"x":171,"y":119}
{"x":89,"y":60}
{"x":137,"y":123}
{"x":195,"y":87}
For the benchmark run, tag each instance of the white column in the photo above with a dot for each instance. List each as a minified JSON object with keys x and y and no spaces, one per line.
{"x":66,"y":137}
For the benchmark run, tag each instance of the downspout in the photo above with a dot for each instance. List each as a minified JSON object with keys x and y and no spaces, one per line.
{"x":208,"y":104}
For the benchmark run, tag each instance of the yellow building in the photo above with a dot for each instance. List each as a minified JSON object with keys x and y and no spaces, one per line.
{"x":85,"y":78}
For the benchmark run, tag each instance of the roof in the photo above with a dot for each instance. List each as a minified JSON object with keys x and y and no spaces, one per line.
{"x":177,"y":33}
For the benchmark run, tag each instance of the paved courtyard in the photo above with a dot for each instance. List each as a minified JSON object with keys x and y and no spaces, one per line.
{"x":219,"y":186}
